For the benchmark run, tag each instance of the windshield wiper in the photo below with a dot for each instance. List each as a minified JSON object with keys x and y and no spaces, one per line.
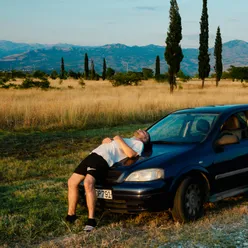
{"x":173,"y":143}
{"x":163,"y":142}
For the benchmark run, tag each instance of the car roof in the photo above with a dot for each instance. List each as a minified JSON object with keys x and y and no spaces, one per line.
{"x":214,"y":109}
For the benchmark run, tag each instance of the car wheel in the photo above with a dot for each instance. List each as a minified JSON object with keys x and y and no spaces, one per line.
{"x":188,"y":201}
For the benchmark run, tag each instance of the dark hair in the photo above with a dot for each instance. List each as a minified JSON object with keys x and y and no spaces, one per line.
{"x":149,"y":138}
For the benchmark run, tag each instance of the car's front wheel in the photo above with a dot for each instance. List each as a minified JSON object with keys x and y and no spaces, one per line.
{"x":188,"y":201}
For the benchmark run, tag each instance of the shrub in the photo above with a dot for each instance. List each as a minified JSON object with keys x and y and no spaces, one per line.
{"x":97,"y":77}
{"x":73,"y":74}
{"x":63,"y":75}
{"x":183,"y":77}
{"x":29,"y":83}
{"x":7,"y":86}
{"x":39,"y":74}
{"x":44,"y":84}
{"x":81,"y":82}
{"x":125,"y":79}
{"x":54,"y":75}
{"x":147,"y":73}
{"x":18,"y":74}
{"x":6,"y":79}
{"x":162,"y":78}
{"x":110,"y":73}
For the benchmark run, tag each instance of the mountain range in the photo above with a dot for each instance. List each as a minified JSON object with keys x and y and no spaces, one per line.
{"x":23,"y":56}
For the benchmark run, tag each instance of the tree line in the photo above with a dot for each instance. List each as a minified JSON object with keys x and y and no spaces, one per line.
{"x":173,"y":52}
{"x":40,"y":79}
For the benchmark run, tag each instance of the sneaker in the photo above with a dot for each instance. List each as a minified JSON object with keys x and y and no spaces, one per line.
{"x":90,"y":225}
{"x":71,"y":218}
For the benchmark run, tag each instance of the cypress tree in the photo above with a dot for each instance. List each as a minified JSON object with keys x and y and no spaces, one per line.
{"x":92,"y":70}
{"x":218,"y":57}
{"x":157,"y":69}
{"x":86,"y":66}
{"x":104,"y":69}
{"x":62,"y":69}
{"x":173,"y":52}
{"x":204,"y":58}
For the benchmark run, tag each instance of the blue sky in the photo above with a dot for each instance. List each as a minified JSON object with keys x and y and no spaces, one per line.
{"x":131,"y":22}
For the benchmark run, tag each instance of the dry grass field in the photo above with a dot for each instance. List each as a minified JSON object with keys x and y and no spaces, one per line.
{"x":100,"y":104}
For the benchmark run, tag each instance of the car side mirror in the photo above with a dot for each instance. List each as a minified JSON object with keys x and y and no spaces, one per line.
{"x":227,"y":139}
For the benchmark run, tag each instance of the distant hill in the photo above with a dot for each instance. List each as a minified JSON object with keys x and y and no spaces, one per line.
{"x":22,"y":56}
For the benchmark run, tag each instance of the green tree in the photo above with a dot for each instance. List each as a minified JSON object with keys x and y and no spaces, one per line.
{"x":92,"y":70}
{"x":218,"y":57}
{"x":238,"y":73}
{"x":147,"y":73}
{"x":226,"y":75}
{"x":157,"y":69}
{"x":73,"y":74}
{"x":104,"y":70}
{"x":62,"y":69}
{"x":110,"y":73}
{"x":39,"y":74}
{"x":18,"y":74}
{"x":204,"y":58}
{"x":182,"y":76}
{"x":86,"y":66}
{"x":173,"y":52}
{"x":129,"y":78}
{"x":54,"y":75}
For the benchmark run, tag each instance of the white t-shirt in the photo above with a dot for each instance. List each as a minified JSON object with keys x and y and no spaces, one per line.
{"x":112,"y":152}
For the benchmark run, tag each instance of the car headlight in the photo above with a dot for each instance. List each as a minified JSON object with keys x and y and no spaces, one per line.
{"x":145,"y":175}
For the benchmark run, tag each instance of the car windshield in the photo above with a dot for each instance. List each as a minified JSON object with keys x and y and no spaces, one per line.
{"x":182,"y":128}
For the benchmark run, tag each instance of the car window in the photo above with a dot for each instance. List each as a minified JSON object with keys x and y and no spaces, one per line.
{"x":236,"y":124}
{"x":182,"y":128}
{"x":242,"y":116}
{"x":242,"y":119}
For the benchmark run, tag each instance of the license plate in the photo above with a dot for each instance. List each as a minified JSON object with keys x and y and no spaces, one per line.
{"x":104,"y":193}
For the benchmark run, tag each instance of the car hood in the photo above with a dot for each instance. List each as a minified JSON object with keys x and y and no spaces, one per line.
{"x":163,"y":152}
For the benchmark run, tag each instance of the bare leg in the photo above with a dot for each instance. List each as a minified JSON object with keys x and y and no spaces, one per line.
{"x":73,"y":184}
{"x":89,"y":185}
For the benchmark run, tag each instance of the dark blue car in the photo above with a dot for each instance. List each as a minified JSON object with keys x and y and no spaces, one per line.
{"x":196,"y":155}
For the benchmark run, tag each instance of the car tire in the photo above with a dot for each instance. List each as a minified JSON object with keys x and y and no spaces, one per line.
{"x":188,"y":201}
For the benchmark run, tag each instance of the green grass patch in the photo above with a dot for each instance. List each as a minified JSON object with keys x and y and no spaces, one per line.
{"x":34,"y":168}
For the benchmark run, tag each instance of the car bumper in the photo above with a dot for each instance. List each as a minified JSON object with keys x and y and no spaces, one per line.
{"x":130,"y":197}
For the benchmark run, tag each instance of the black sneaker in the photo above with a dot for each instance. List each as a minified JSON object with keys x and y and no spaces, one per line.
{"x":90,"y":225}
{"x":71,"y":218}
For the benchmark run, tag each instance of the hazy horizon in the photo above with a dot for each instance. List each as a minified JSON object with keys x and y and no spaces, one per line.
{"x":60,"y":43}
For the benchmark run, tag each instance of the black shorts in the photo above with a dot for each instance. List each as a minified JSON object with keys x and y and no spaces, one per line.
{"x":95,"y":165}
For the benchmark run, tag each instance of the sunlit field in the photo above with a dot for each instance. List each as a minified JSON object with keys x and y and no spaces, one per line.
{"x":100,"y":104}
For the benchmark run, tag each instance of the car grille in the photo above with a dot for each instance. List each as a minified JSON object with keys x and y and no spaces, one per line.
{"x":121,"y":206}
{"x":113,"y":176}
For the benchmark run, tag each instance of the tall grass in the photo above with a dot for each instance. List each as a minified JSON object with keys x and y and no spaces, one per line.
{"x":101,"y":104}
